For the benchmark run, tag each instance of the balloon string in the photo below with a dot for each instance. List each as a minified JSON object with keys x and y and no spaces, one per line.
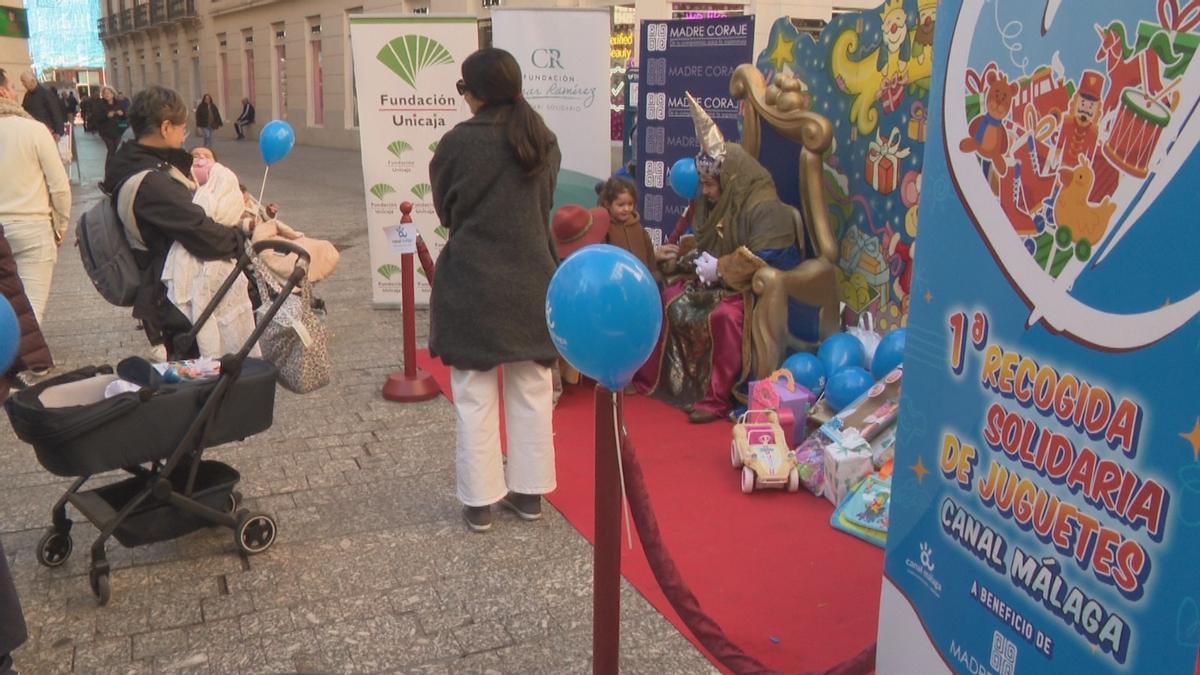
{"x":261,"y":190}
{"x":624,"y":501}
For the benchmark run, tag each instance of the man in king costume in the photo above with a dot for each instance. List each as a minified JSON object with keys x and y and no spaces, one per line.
{"x":739,"y":227}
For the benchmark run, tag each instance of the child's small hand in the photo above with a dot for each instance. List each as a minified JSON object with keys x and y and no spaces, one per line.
{"x":666,"y":252}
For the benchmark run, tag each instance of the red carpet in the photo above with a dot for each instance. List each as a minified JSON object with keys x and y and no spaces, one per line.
{"x":785,"y":586}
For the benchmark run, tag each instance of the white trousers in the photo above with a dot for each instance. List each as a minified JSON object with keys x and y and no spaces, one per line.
{"x":528,"y":417}
{"x":33,"y":248}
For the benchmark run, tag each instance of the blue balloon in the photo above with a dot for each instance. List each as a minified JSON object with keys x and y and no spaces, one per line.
{"x":807,"y":370}
{"x":889,"y":353}
{"x":685,"y":178}
{"x":604,"y":313}
{"x":847,"y":385}
{"x":10,"y":334}
{"x":841,"y":351}
{"x":276,"y":141}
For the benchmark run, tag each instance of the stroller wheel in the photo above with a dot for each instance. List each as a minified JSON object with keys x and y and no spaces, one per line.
{"x":101,"y":586}
{"x":255,"y":532}
{"x":54,"y":548}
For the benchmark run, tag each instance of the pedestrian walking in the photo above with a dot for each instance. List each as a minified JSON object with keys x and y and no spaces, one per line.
{"x":71,"y":103}
{"x":35,"y":196}
{"x":109,"y":120}
{"x":493,"y":180}
{"x":208,"y":119}
{"x":245,"y":119}
{"x":43,"y":105}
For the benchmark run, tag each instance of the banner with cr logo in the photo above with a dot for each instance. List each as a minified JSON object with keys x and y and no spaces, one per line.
{"x":564,"y":60}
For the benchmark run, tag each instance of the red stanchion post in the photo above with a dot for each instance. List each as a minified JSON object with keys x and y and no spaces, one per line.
{"x":606,"y":560}
{"x":413,"y":384}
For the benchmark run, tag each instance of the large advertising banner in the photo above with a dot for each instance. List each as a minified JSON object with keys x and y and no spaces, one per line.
{"x":696,"y":56}
{"x":405,"y":70}
{"x":564,"y":60}
{"x":1046,"y":507}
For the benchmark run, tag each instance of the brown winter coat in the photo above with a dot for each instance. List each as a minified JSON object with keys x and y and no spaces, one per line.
{"x":33,"y":352}
{"x":488,"y":304}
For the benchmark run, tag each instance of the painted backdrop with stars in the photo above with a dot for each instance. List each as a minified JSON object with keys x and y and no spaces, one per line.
{"x":869,"y":74}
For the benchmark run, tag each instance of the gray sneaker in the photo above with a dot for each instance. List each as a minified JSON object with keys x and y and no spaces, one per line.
{"x":527,"y":507}
{"x":479,"y":518}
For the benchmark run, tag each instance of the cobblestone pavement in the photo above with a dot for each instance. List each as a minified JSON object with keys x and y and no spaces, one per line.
{"x":373,"y":570}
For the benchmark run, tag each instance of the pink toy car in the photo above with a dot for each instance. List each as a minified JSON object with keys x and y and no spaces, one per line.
{"x":760,"y":449}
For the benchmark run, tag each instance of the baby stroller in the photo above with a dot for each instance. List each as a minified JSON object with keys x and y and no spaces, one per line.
{"x":158,"y":435}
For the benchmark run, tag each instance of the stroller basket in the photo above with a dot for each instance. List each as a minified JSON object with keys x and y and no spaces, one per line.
{"x":75,"y":431}
{"x":157,"y":521}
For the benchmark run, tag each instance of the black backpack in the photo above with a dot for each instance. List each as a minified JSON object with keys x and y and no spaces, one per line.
{"x":107,"y":236}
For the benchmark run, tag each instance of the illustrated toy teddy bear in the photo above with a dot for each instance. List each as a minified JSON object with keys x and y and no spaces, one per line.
{"x":989,"y":138}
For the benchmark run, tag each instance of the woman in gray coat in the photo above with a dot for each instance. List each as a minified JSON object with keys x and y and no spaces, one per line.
{"x":493,"y":180}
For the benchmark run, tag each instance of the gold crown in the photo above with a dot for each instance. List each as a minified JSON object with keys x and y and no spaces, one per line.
{"x":892,"y":6}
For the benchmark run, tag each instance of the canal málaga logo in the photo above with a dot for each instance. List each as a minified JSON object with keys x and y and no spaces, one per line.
{"x":408,"y":55}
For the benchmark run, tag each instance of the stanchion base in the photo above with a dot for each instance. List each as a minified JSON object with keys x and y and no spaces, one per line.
{"x":420,"y":387}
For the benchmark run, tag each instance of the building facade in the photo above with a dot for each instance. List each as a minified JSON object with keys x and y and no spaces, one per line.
{"x":292,"y":58}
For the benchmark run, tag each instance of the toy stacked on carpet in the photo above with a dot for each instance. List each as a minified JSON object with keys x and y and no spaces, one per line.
{"x":849,"y":414}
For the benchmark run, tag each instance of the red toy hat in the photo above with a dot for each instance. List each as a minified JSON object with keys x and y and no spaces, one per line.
{"x":1091,"y":85}
{"x":575,"y":227}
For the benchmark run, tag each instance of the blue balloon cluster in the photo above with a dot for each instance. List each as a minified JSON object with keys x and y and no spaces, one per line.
{"x":276,"y":141}
{"x":841,"y":351}
{"x":604,"y":313}
{"x":685,"y":178}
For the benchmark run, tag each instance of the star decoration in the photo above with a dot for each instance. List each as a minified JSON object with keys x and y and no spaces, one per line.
{"x":1193,"y":437}
{"x":928,"y":296}
{"x":920,"y":470}
{"x":782,"y":53}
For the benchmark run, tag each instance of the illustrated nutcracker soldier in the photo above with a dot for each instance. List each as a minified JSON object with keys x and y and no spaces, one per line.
{"x":1080,"y":129}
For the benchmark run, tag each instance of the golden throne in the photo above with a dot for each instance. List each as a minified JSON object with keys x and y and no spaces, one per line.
{"x":814,"y":281}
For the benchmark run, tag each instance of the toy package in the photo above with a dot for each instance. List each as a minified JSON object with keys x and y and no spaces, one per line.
{"x":871,"y":414}
{"x":864,"y":514}
{"x":779,"y":392}
{"x":191,"y":369}
{"x":810,"y":461}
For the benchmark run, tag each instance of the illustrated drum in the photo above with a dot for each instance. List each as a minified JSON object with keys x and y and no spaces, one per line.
{"x":1135,"y":133}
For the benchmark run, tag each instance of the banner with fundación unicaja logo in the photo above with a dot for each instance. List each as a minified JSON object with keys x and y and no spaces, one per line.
{"x":564,"y":61}
{"x":405,"y":68}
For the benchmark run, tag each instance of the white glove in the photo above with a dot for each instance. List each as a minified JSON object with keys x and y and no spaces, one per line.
{"x":706,"y":268}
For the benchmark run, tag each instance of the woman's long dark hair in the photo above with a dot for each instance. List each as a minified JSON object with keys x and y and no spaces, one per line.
{"x":493,"y":77}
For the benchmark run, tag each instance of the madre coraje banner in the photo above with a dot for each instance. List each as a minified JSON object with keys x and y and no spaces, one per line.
{"x":681,"y":57}
{"x":405,"y":69}
{"x":1045,"y":513}
{"x":563,"y":54}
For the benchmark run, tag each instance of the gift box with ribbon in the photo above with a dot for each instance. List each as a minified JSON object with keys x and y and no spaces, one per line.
{"x":846,"y":463}
{"x":891,"y":93}
{"x":790,"y":401}
{"x":883,"y":161}
{"x":918,"y":123}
